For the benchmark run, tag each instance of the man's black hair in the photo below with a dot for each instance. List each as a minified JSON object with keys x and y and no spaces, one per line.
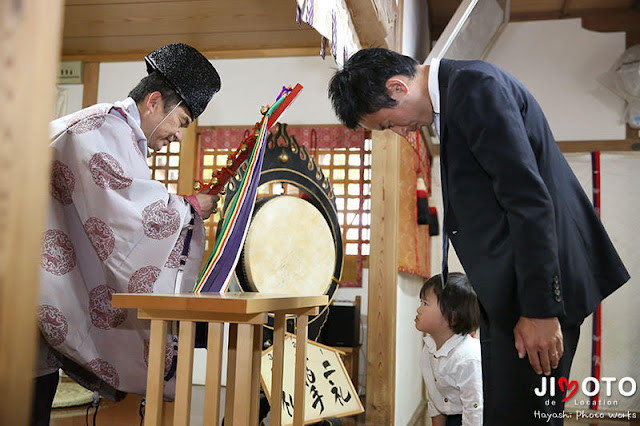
{"x":155,"y":82}
{"x":360,"y":89}
{"x":457,"y":301}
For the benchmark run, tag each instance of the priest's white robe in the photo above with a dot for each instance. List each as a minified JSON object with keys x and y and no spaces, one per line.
{"x":110,"y":229}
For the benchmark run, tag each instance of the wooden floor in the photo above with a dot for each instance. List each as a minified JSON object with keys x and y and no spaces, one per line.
{"x":126,"y":413}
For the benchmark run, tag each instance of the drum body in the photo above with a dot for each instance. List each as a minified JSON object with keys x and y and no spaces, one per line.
{"x":289,"y":249}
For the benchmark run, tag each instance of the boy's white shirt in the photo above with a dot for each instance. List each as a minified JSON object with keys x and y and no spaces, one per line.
{"x":453,"y":377}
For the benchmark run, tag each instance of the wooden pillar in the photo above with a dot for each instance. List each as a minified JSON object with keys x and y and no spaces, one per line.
{"x":383,"y":279}
{"x":29,"y":54}
{"x":90,"y":78}
{"x":383,"y":266}
{"x":188,"y":157}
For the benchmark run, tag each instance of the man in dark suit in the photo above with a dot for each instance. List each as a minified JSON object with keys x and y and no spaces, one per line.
{"x":526,"y":234}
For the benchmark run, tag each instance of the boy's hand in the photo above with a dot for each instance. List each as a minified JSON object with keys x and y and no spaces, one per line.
{"x":439,"y":420}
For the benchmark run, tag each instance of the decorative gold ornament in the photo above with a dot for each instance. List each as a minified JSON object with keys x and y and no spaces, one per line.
{"x":283,"y":158}
{"x":229,"y":162}
{"x":197,"y":186}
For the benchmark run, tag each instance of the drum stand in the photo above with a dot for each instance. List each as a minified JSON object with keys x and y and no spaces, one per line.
{"x":245,"y":313}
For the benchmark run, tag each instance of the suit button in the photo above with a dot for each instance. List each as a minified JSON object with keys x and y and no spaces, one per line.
{"x":558,"y":298}
{"x":556,"y":280}
{"x":556,"y":292}
{"x":475,"y":405}
{"x":446,"y":400}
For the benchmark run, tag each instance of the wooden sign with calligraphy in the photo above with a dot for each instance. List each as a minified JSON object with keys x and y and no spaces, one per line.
{"x":329,"y":391}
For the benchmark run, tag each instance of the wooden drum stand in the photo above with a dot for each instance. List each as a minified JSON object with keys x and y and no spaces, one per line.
{"x":245,"y":313}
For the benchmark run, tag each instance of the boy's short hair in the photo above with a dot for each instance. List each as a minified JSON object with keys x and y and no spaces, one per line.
{"x":457,"y":301}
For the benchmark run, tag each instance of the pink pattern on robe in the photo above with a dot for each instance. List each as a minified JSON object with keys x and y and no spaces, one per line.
{"x":107,"y":173}
{"x":62,"y":182}
{"x":160,"y":222}
{"x":86,"y":120}
{"x":176,"y":253}
{"x":104,"y":370}
{"x":101,"y":237}
{"x":102,"y":314}
{"x":143,"y":279}
{"x":58,"y":256}
{"x":53,"y":324}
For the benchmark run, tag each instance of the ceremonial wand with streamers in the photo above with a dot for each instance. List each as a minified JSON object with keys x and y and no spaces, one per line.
{"x":216,"y":275}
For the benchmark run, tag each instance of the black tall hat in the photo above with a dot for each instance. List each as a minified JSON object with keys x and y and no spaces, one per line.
{"x":190,"y":73}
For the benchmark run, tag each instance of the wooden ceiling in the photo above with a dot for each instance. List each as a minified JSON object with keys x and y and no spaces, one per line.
{"x":114,"y":30}
{"x":128,"y":29}
{"x":597,"y":15}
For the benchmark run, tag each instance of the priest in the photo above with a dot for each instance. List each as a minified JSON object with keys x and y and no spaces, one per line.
{"x":112,"y":229}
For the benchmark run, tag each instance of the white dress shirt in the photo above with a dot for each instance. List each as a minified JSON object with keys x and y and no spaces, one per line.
{"x":453,"y":377}
{"x":433,"y":84}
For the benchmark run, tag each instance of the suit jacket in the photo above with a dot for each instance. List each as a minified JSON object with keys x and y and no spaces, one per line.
{"x":526,"y":233}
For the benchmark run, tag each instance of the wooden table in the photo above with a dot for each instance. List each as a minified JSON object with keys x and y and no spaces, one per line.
{"x":245,"y":313}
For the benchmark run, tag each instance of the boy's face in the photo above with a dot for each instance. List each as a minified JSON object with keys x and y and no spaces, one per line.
{"x":429,"y":318}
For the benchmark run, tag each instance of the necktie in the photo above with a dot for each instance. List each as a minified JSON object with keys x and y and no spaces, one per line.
{"x":445,"y":236}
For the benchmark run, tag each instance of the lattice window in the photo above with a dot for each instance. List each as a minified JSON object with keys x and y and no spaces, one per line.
{"x":164,"y":166}
{"x":349,"y":170}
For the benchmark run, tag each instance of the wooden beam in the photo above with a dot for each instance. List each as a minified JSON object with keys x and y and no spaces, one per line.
{"x":90,"y":78}
{"x":29,"y":53}
{"x":371,"y":22}
{"x":383,"y":278}
{"x":620,"y":145}
{"x":600,"y":145}
{"x":603,"y":20}
{"x":138,"y":55}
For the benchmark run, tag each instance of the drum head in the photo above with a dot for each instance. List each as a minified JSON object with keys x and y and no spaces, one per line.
{"x":289,"y":249}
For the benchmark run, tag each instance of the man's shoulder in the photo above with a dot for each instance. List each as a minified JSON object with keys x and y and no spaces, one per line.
{"x":472,"y":72}
{"x":82,"y":121}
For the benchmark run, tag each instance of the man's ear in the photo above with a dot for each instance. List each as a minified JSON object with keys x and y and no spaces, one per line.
{"x":396,"y":87}
{"x":153,"y":101}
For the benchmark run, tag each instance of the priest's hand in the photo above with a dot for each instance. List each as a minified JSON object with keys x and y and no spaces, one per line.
{"x":208,"y":204}
{"x":541,"y":340}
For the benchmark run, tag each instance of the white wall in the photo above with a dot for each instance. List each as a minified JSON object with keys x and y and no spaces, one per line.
{"x":247,"y":84}
{"x":559,"y":62}
{"x":409,"y":342}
